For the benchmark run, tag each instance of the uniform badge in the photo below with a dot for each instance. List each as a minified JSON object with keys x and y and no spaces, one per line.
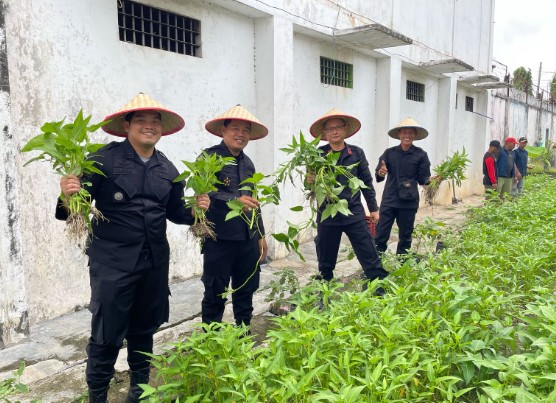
{"x":118,"y":196}
{"x":226,"y":181}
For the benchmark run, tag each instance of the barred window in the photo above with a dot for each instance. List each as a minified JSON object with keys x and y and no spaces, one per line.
{"x":334,"y":72}
{"x":160,"y":29}
{"x":415,"y":91}
{"x":469,"y":104}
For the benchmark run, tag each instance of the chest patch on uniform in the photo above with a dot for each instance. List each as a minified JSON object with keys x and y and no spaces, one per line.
{"x":118,"y":196}
{"x":226,"y":181}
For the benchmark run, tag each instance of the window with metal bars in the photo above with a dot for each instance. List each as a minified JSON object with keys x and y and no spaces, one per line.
{"x":160,"y":29}
{"x":469,"y":104}
{"x":415,"y":91}
{"x":334,"y":72}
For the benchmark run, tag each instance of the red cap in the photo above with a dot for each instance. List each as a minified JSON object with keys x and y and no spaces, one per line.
{"x":511,"y":140}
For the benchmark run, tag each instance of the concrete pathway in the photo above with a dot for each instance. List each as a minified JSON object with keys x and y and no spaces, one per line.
{"x":54,"y":352}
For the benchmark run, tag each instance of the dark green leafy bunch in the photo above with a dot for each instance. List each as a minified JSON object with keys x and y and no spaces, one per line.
{"x":67,"y":147}
{"x":451,"y":168}
{"x":265,"y":194}
{"x":200,"y":176}
{"x":305,"y":158}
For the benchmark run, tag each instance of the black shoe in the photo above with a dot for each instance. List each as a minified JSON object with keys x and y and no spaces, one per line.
{"x":98,"y":395}
{"x":379,"y":292}
{"x":135,"y":378}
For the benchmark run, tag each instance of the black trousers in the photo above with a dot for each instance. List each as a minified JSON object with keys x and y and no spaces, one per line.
{"x":327,"y":244}
{"x":224,"y":261}
{"x":125,"y":305}
{"x":405,"y":219}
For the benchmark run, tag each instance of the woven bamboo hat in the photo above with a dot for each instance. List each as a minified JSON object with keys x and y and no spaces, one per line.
{"x":238,"y":112}
{"x":171,"y":121}
{"x":352,"y":124}
{"x":408,"y":123}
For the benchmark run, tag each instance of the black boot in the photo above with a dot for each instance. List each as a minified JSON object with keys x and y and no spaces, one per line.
{"x":98,"y":395}
{"x":135,"y":378}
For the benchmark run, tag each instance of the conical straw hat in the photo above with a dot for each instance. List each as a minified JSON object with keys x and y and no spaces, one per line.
{"x":352,"y":124}
{"x":410,"y":124}
{"x":238,"y":112}
{"x":171,"y":121}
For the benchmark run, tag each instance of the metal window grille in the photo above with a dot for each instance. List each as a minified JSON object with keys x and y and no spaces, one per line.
{"x":160,"y":29}
{"x":334,"y":72}
{"x":415,"y":91}
{"x":469,"y":104}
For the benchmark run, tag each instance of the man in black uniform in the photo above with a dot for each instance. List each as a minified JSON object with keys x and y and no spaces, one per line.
{"x":128,"y":250}
{"x":404,"y":162}
{"x":237,"y":251}
{"x":334,"y":127}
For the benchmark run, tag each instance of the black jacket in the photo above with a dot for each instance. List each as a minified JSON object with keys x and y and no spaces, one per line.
{"x":351,"y":155}
{"x":231,"y":176}
{"x":136,"y":199}
{"x":411,"y":164}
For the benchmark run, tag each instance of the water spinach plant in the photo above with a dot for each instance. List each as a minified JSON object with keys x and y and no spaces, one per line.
{"x":200,"y":177}
{"x":330,"y":179}
{"x":451,"y":168}
{"x":475,"y":323}
{"x":66,"y":147}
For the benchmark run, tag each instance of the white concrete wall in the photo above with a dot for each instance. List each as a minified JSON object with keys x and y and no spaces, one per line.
{"x":64,"y":55}
{"x":80,"y":63}
{"x":522,"y":115}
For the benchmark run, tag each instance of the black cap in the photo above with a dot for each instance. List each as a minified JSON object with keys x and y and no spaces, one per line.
{"x":494,"y":143}
{"x":522,"y":139}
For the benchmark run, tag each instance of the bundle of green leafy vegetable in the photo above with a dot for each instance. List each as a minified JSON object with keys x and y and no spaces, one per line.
{"x":67,"y":147}
{"x":200,"y":177}
{"x":307,"y":160}
{"x":451,"y":168}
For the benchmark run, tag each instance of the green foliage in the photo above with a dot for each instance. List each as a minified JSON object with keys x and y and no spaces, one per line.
{"x":523,"y":80}
{"x":540,"y":155}
{"x":451,"y":168}
{"x":553,"y":88}
{"x":476,"y":323}
{"x":68,"y":148}
{"x":305,"y":158}
{"x":286,"y":285}
{"x":12,"y":386}
{"x":200,"y":177}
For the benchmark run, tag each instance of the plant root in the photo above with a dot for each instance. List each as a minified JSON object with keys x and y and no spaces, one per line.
{"x":430,"y":193}
{"x":77,"y":230}
{"x":203,"y":229}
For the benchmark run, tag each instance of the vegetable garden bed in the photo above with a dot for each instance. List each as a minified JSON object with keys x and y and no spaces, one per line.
{"x":473,"y":323}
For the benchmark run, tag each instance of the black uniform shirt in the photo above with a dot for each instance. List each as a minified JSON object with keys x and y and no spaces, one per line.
{"x":348,"y":156}
{"x":231,"y":176}
{"x":136,"y":198}
{"x":411,"y":164}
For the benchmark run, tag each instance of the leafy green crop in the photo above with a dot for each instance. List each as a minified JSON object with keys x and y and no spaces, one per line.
{"x":12,"y":386}
{"x":67,"y":147}
{"x":305,"y":158}
{"x":451,"y":168}
{"x":200,"y":176}
{"x":475,"y":323}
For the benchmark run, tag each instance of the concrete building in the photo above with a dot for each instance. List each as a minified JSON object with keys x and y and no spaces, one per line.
{"x":286,"y":61}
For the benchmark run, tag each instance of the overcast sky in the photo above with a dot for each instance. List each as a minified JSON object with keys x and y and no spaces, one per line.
{"x":525,"y":35}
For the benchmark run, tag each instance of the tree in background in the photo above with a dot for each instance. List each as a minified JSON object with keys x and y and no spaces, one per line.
{"x":553,"y":88}
{"x":523,"y":80}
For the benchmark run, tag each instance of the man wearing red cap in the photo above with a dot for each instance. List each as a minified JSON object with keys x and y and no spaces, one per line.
{"x":236,"y":253}
{"x":506,"y":168}
{"x":128,"y":250}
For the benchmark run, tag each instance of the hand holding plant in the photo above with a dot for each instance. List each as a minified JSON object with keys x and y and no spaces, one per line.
{"x":200,"y":177}
{"x":68,"y":148}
